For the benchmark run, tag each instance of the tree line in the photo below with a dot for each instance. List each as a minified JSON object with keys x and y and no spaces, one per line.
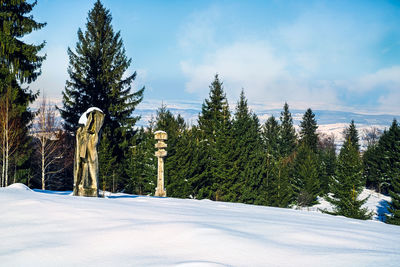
{"x":226,"y":156}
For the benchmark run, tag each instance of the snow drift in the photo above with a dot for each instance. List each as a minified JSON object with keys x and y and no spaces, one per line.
{"x":56,"y":229}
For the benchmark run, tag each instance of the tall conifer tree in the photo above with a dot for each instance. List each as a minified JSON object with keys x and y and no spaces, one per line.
{"x":308,"y":130}
{"x":215,"y":124}
{"x":348,"y":184}
{"x":391,"y":163}
{"x":247,"y":155}
{"x":351,"y":133}
{"x":306,"y":176}
{"x":97,"y":78}
{"x":287,"y":133}
{"x":20,"y":64}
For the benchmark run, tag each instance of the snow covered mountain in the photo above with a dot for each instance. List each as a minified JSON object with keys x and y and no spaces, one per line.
{"x":46,"y":228}
{"x":329,"y":122}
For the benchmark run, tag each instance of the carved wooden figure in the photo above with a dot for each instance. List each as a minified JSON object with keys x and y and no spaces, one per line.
{"x":86,"y":165}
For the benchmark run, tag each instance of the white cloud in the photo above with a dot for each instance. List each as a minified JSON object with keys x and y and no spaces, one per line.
{"x":255,"y":67}
{"x":317,"y":60}
{"x":199,"y":29}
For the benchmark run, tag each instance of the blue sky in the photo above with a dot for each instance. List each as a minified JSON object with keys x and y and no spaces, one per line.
{"x":336,"y":55}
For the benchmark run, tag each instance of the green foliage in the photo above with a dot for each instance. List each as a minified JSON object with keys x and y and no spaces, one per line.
{"x":390,"y":149}
{"x":96,"y":70}
{"x":306,"y":176}
{"x":141,"y":164}
{"x":176,"y":184}
{"x":106,"y":163}
{"x":348,"y":184}
{"x":351,"y":135}
{"x":18,"y":59}
{"x":394,"y":205}
{"x":382,"y":161}
{"x":327,"y":161}
{"x":308,"y":130}
{"x":97,"y":78}
{"x":215,"y":125}
{"x":287,"y":136}
{"x":246,"y":157}
{"x":271,"y":136}
{"x":20,"y":63}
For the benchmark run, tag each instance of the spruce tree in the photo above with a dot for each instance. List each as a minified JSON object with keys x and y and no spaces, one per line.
{"x":246,"y":153}
{"x":327,"y":159}
{"x":287,"y":133}
{"x":394,"y":205}
{"x":215,"y":111}
{"x":308,"y":130}
{"x":20,"y":64}
{"x":106,"y":163}
{"x":97,"y":78}
{"x":348,"y":185}
{"x":271,"y":136}
{"x":96,"y":70}
{"x":215,"y":125}
{"x":351,"y":133}
{"x":141,"y":163}
{"x":391,"y":163}
{"x":306,"y":184}
{"x":381,"y":161}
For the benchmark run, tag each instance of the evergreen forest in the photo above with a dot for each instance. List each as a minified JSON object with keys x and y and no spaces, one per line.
{"x":227,"y":155}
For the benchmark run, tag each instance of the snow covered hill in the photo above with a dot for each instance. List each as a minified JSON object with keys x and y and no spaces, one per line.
{"x":56,"y":229}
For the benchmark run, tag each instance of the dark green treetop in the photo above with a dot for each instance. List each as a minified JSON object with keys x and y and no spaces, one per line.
{"x":308,"y":130}
{"x":287,"y":132}
{"x":351,"y":134}
{"x":215,"y":113}
{"x":348,"y":184}
{"x":18,"y":59}
{"x":96,"y":76}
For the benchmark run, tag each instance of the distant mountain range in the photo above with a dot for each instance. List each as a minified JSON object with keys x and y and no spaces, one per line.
{"x":323,"y":117}
{"x":329,"y":122}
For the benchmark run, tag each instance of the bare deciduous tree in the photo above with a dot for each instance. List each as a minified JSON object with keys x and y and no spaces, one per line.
{"x":47,"y":133}
{"x":371,"y":136}
{"x":10,"y":131}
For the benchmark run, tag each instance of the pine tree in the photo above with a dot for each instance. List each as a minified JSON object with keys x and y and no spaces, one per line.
{"x":306,"y":176}
{"x":381,"y":162}
{"x":246,"y":152}
{"x":183,"y":166}
{"x":390,"y":143}
{"x":106,"y":163}
{"x":215,"y":125}
{"x":351,"y":134}
{"x":271,"y":136}
{"x":96,"y":73}
{"x":327,"y":159}
{"x":287,"y":133}
{"x":141,"y":163}
{"x":97,"y":78}
{"x":215,"y":111}
{"x":308,"y":130}
{"x":281,"y":194}
{"x":394,"y":205}
{"x":348,"y":185}
{"x":20,"y":64}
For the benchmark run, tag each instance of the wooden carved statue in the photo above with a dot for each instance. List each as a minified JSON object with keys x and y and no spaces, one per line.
{"x":86,"y":165}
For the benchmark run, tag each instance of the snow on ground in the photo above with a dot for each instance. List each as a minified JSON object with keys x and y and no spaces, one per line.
{"x":46,"y":228}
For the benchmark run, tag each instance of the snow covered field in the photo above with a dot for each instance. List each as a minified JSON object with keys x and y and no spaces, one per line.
{"x":56,"y":229}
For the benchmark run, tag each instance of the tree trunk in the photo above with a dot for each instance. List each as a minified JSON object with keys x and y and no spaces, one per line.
{"x":3,"y":167}
{"x":43,"y":162}
{"x":7,"y":146}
